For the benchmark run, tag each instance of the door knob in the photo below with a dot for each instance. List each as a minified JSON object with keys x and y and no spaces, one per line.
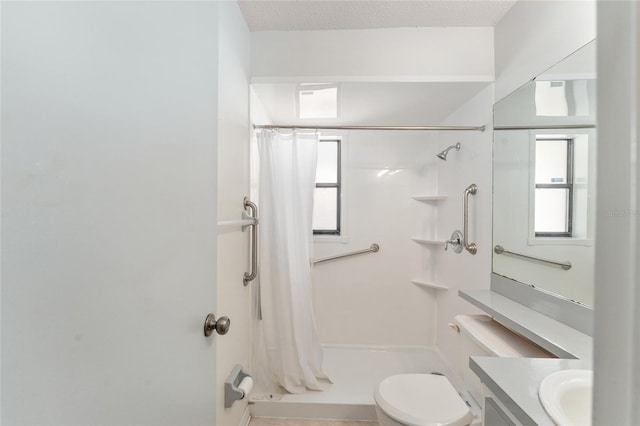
{"x":221,"y":325}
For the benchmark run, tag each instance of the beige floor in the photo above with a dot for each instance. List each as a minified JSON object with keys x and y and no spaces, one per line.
{"x":259,"y":421}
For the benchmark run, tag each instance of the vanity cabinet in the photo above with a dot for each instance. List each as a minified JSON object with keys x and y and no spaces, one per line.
{"x":494,"y":412}
{"x":494,"y":415}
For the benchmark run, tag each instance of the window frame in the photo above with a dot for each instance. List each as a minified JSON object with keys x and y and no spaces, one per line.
{"x":338,"y":185}
{"x":569,"y":185}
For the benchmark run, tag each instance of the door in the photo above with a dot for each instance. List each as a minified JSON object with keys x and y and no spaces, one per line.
{"x":108,"y":212}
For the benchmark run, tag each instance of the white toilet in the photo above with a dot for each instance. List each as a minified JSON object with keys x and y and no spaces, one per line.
{"x":431,"y":400}
{"x":420,"y":400}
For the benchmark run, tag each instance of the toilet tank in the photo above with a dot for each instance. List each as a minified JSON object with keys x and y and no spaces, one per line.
{"x":480,"y":335}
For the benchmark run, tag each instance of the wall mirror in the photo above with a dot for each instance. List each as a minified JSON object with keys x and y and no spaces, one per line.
{"x":544,"y":180}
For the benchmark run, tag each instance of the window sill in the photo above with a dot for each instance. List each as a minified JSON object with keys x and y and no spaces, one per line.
{"x":342,"y":239}
{"x":551,"y":241}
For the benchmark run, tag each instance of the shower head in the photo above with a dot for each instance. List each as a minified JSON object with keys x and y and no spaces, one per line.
{"x":443,"y":154}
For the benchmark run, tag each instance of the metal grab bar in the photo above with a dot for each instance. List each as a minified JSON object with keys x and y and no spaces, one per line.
{"x":498,"y":249}
{"x":373,"y":249}
{"x":471,"y":248}
{"x":244,"y":223}
{"x":250,"y":276}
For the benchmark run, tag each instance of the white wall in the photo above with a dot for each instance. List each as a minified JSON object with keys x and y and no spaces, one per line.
{"x":369,"y":299}
{"x":387,"y":103}
{"x":617,"y":317}
{"x":406,"y":54}
{"x":234,"y":300}
{"x":109,"y":183}
{"x":531,"y":38}
{"x":534,"y":35}
{"x":472,"y":164}
{"x":353,"y":297}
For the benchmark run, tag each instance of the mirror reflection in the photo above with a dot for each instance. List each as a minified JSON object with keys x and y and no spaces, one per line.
{"x":544,"y":180}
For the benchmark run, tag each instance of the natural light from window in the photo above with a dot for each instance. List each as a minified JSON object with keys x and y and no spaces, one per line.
{"x":326,"y":197}
{"x":554,"y":189}
{"x":318,"y":100}
{"x":551,"y":99}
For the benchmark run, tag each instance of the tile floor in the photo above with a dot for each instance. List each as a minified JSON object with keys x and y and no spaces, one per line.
{"x":261,"y":421}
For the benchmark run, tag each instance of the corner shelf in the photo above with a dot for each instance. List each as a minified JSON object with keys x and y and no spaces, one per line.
{"x":432,"y":285}
{"x":430,"y":197}
{"x":428,"y":241}
{"x":433,"y":202}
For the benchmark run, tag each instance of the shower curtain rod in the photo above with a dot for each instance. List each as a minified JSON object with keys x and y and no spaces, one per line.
{"x":310,"y":127}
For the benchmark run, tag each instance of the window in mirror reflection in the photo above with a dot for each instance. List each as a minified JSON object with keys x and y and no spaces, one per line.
{"x":551,"y":99}
{"x":554,"y":161}
{"x":562,"y":98}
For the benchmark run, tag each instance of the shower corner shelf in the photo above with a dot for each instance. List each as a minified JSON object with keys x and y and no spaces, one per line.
{"x":430,"y":197}
{"x":430,"y":284}
{"x":427,"y":241}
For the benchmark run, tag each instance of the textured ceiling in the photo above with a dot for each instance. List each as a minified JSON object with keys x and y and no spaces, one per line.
{"x":295,"y":15}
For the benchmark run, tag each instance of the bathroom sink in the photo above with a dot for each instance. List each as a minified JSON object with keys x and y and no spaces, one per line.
{"x":566,"y":396}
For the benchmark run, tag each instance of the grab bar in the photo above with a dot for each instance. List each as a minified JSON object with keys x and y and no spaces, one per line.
{"x":471,"y":248}
{"x":243,"y":223}
{"x":250,"y":276}
{"x":373,"y":249}
{"x":498,"y":249}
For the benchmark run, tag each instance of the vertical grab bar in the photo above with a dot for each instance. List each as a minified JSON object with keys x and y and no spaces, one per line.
{"x":471,"y":248}
{"x":251,"y":275}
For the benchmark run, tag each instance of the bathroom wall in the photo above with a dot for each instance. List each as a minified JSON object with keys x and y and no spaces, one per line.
{"x":109,"y":153}
{"x":404,"y":54}
{"x":234,"y":299}
{"x":534,"y":35}
{"x":369,"y":300}
{"x":531,"y":37}
{"x":617,"y":321}
{"x":472,"y":164}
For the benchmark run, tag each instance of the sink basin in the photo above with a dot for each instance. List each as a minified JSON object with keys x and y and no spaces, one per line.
{"x":566,"y":396}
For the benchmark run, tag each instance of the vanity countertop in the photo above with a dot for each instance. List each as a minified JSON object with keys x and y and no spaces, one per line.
{"x":515,"y":382}
{"x":554,"y":336}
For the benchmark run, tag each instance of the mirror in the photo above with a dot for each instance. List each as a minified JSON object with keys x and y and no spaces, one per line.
{"x":544,"y":180}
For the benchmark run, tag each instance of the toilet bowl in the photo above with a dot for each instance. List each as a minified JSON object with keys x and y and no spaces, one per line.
{"x":431,"y":400}
{"x":420,"y":400}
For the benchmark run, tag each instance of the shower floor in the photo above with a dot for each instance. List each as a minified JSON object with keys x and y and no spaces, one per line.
{"x":355,"y":373}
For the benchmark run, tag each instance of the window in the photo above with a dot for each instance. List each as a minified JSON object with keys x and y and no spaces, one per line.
{"x":318,"y":100}
{"x":326,"y":198}
{"x":554,"y":160}
{"x":551,"y":99}
{"x":563,"y":98}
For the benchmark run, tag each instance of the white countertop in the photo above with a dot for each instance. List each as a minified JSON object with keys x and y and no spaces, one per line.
{"x":515,"y":381}
{"x":554,"y":336}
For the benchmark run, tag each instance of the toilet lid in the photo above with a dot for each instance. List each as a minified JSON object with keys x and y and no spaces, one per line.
{"x":422,"y":400}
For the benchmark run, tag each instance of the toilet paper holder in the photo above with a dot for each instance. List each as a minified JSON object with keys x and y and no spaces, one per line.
{"x":232,"y":392}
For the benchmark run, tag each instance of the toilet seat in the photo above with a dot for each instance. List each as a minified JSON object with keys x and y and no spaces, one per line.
{"x":422,"y":400}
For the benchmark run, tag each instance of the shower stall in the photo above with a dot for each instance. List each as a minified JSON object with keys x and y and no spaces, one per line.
{"x":376,"y":284}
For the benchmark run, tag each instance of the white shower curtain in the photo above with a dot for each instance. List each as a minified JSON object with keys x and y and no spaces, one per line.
{"x":287,"y":180}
